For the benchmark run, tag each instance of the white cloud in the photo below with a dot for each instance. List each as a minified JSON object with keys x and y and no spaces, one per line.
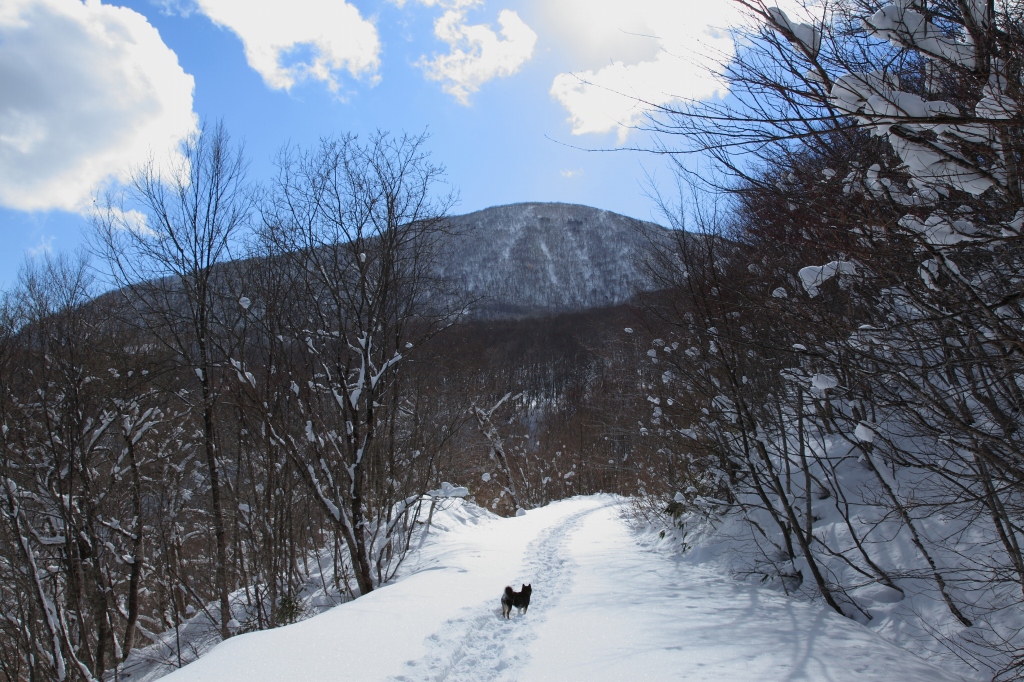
{"x":477,"y":53}
{"x":595,"y":32}
{"x":130,"y":220}
{"x":660,"y":51}
{"x":89,"y":90}
{"x":447,"y":4}
{"x":287,"y":41}
{"x":43,"y":248}
{"x":569,"y":174}
{"x":450,"y":4}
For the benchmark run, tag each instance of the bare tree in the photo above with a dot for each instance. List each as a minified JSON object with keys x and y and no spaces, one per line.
{"x":497,"y":448}
{"x":355,"y":227}
{"x":166,"y":266}
{"x":868,"y":289}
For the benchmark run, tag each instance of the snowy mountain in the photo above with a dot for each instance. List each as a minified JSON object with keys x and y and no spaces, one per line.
{"x":535,"y":259}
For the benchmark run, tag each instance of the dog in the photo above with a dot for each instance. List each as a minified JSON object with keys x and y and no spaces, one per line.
{"x":520,"y":600}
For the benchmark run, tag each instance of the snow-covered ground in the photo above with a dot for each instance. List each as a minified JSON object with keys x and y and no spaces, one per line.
{"x":605,"y":606}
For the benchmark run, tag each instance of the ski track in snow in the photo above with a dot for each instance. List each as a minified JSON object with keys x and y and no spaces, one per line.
{"x":481,"y":645}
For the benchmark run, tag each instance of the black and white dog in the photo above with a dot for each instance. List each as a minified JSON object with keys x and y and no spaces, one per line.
{"x":519,"y":600}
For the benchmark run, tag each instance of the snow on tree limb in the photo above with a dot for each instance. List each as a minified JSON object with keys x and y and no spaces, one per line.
{"x":448,"y":490}
{"x":804,"y":36}
{"x":813,"y":276}
{"x":906,"y":27}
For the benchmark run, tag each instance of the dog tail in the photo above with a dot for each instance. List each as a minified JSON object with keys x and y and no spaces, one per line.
{"x":509,"y":592}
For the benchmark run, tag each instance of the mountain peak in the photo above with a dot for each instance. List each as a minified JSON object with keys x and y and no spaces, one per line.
{"x":533,"y":259}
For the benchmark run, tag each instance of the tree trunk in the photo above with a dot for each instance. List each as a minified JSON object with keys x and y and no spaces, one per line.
{"x":357,"y":548}
{"x":138,"y":554}
{"x":216,"y":507}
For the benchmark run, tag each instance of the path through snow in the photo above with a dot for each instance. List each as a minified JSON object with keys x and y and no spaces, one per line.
{"x":480,"y":645}
{"x":603,"y":608}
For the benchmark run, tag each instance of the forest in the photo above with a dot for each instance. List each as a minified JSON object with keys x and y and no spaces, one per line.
{"x":248,"y":423}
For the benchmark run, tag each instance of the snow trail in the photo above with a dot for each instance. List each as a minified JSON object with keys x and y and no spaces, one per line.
{"x":636,"y":613}
{"x":605,"y":608}
{"x":481,"y":645}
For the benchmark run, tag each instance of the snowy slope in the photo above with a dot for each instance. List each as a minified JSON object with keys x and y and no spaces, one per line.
{"x":537,"y":259}
{"x":852,"y":520}
{"x":605,"y":607}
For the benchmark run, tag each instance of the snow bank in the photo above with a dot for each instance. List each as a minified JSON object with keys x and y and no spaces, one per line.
{"x":910,"y":613}
{"x":319,"y":595}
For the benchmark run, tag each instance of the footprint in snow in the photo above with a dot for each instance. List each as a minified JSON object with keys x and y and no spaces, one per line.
{"x":481,"y":646}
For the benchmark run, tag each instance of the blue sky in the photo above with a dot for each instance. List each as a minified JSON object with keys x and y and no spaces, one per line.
{"x":512,"y":92}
